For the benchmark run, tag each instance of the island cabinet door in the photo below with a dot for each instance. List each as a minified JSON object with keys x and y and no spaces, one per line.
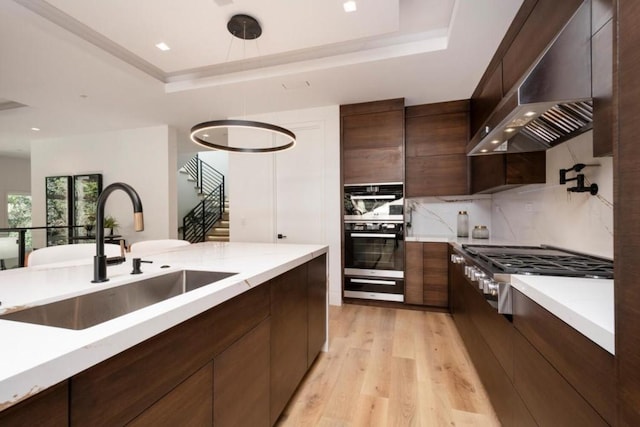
{"x":49,"y":408}
{"x":121,"y":388}
{"x":189,"y":404}
{"x":289,"y":344}
{"x":241,"y":381}
{"x":317,"y":314}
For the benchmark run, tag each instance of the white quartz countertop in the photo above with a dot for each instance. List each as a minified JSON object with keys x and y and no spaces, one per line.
{"x":458,"y":240}
{"x":35,"y":357}
{"x":587,"y":305}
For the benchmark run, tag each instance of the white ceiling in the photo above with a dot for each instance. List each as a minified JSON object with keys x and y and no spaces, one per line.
{"x":85,"y":66}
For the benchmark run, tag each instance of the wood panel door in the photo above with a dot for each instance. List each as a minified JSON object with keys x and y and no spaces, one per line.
{"x":372,"y":142}
{"x":436,"y":139}
{"x":317,"y":307}
{"x":435,"y":275}
{"x":189,"y":404}
{"x":241,"y":381}
{"x":602,"y":89}
{"x":627,"y":202}
{"x":289,"y":345}
{"x":413,"y":276}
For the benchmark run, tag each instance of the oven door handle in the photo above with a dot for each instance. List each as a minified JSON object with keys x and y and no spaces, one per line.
{"x":374,"y":282}
{"x":379,"y":235}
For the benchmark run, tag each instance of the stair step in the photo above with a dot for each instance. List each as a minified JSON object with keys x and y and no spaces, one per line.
{"x":217,"y":238}
{"x":183,"y":170}
{"x":223,"y":223}
{"x":218,"y":231}
{"x":225,"y":216}
{"x":191,"y":179}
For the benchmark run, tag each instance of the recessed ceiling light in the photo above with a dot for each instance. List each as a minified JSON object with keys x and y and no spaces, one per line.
{"x":35,"y":129}
{"x":349,"y":6}
{"x":206,"y":135}
{"x":509,"y":129}
{"x":495,"y":141}
{"x":163,"y":46}
{"x":530,"y":113}
{"x":484,"y":150}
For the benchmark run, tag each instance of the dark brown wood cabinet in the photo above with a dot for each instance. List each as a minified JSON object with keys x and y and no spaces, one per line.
{"x":49,"y":408}
{"x":497,"y":172}
{"x":372,"y":141}
{"x":426,"y":274}
{"x":189,"y":404}
{"x":436,"y":137}
{"x":537,"y":369}
{"x":627,"y":202}
{"x":533,"y":28}
{"x":288,"y":336}
{"x":602,"y":89}
{"x":119,"y":389}
{"x":241,"y":381}
{"x":587,"y":367}
{"x":549,"y":397}
{"x":317,"y":307}
{"x":494,"y":365}
{"x":544,"y":22}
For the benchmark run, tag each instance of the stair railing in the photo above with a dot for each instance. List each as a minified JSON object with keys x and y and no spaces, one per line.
{"x":210,"y":185}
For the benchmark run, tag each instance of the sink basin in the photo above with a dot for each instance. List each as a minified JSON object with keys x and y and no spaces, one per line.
{"x":91,"y":309}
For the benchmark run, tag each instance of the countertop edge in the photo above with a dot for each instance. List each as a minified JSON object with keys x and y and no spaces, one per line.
{"x":578,"y":320}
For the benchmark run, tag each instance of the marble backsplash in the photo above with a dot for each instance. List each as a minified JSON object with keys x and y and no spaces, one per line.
{"x":549,"y":214}
{"x":533,"y":214}
{"x":437,"y":216}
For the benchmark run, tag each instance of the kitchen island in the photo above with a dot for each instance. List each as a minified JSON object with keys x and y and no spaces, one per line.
{"x":274,"y":309}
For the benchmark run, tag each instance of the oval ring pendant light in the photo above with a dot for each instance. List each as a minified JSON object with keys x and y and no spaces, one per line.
{"x":244,"y":27}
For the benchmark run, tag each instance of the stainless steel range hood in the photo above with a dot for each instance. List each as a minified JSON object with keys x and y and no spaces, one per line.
{"x":553,"y":101}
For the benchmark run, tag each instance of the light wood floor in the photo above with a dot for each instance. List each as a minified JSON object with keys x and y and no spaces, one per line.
{"x":390,"y":367}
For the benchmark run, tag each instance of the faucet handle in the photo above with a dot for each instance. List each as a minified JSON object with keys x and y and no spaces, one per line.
{"x":137,"y":262}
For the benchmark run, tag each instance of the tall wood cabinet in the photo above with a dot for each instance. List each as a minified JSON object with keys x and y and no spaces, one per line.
{"x":436,"y":137}
{"x":372,"y":141}
{"x":626,"y":166}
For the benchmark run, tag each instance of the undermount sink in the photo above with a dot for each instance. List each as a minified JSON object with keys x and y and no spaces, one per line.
{"x":91,"y":309}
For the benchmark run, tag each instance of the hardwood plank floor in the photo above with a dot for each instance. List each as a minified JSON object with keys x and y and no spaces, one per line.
{"x":390,"y":367}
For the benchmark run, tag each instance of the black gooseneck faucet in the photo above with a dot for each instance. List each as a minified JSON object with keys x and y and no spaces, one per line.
{"x":100,"y":261}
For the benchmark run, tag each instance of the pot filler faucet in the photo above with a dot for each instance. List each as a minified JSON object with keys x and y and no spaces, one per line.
{"x":100,"y":261}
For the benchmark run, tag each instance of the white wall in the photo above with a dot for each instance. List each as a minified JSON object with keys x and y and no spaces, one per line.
{"x":143,"y":158}
{"x":15,"y":177}
{"x":549,"y":214}
{"x":253,"y":196}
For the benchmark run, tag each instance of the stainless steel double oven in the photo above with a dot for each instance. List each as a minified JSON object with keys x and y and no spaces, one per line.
{"x":374,"y":242}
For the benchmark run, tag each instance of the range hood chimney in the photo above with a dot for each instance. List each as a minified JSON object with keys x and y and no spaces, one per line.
{"x":553,"y":101}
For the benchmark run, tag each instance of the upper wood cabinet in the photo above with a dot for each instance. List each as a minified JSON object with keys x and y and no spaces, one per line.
{"x":435,"y":145}
{"x":544,"y":22}
{"x":533,"y":28}
{"x":372,"y":140}
{"x":497,"y":172}
{"x":602,"y":65}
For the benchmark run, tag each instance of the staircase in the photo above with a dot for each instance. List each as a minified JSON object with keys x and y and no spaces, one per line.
{"x":210,"y":211}
{"x":220,"y":230}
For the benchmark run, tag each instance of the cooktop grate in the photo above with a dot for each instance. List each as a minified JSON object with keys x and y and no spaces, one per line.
{"x":541,"y":261}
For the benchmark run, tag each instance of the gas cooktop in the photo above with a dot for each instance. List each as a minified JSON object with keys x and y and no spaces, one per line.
{"x":540,"y":260}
